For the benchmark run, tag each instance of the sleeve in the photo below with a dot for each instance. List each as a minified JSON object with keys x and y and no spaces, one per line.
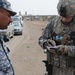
{"x":47,"y":33}
{"x":71,"y":51}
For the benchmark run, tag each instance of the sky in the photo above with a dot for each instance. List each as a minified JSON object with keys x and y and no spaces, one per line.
{"x":35,"y":7}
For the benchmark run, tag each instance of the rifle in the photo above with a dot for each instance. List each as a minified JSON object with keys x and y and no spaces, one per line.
{"x":49,"y":67}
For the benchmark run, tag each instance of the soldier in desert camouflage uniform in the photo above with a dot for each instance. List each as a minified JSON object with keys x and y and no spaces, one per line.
{"x":60,"y":32}
{"x":6,"y":12}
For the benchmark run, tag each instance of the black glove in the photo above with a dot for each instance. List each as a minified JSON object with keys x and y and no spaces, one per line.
{"x":49,"y":43}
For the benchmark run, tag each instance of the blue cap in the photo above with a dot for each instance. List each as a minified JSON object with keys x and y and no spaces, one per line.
{"x":6,"y":5}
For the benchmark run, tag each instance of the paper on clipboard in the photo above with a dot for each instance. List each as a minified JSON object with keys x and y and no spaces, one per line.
{"x":53,"y":47}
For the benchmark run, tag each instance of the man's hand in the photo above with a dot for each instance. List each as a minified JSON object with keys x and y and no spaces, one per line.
{"x":52,"y":49}
{"x":62,"y":49}
{"x":49,"y":43}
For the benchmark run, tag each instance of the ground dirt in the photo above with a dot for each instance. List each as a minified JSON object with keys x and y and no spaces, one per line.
{"x":26,"y":54}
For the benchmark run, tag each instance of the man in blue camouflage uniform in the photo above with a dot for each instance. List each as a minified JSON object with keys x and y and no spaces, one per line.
{"x":6,"y":12}
{"x":60,"y":35}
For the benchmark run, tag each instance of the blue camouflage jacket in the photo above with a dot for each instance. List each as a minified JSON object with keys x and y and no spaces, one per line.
{"x":6,"y":67}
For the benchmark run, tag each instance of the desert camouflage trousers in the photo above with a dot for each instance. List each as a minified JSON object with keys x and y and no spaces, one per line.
{"x":62,"y":71}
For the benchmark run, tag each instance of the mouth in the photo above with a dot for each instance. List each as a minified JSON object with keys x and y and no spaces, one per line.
{"x":8,"y":24}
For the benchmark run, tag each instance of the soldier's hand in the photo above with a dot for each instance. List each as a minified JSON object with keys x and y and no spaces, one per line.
{"x":49,"y":43}
{"x":52,"y":49}
{"x":62,"y":49}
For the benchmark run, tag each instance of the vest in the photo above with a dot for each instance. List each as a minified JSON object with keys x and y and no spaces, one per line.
{"x":67,"y":32}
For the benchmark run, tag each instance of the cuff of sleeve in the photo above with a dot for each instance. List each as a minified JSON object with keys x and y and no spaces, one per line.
{"x":42,"y":43}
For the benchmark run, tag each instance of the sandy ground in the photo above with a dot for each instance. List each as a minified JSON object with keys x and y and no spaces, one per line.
{"x":25,"y":53}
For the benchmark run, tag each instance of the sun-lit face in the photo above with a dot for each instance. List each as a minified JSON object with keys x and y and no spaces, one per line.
{"x":68,"y":19}
{"x":5,"y":18}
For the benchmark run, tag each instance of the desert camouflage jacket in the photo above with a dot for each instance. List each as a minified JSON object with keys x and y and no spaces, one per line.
{"x":56,"y":26}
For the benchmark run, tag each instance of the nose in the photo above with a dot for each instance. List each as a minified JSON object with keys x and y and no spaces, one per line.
{"x":10,"y":20}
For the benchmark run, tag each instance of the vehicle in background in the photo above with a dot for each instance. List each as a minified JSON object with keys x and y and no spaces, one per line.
{"x":18,"y":29}
{"x":8,"y":33}
{"x":17,"y":18}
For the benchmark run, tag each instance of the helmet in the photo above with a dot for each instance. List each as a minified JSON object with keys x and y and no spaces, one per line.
{"x":66,"y":8}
